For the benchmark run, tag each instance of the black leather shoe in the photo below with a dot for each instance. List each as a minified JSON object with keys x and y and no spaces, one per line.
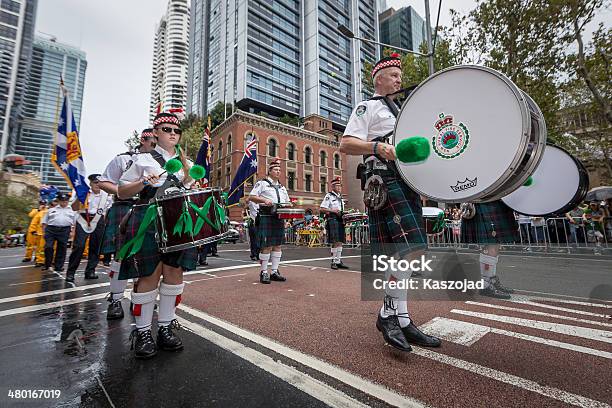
{"x":91,"y":276}
{"x":203,"y":263}
{"x":115,"y":309}
{"x":25,"y":260}
{"x":276,"y":276}
{"x":58,"y":269}
{"x":38,"y":265}
{"x":415,"y":336}
{"x":46,"y":268}
{"x":70,"y":277}
{"x":254,"y":258}
{"x":143,"y":344}
{"x":341,"y":265}
{"x":491,"y":291}
{"x":498,"y":285}
{"x":334,"y":265}
{"x":167,"y":340}
{"x":392,"y":332}
{"x":264,"y":277}
{"x":215,"y":255}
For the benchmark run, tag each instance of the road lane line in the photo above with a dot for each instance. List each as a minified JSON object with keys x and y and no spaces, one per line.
{"x":576,"y":331}
{"x":51,"y":305}
{"x":525,"y":301}
{"x":292,"y":376}
{"x":467,"y":334}
{"x":538,"y":313}
{"x":375,"y":390}
{"x":567,"y":296}
{"x":571,"y":302}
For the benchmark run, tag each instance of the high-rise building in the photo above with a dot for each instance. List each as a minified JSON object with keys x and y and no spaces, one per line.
{"x":280,"y":56}
{"x":17,"y":19}
{"x":51,"y":61}
{"x":170,"y":58}
{"x":403,"y":28}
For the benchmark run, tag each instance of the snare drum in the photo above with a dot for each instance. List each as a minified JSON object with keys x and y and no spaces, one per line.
{"x":433,"y":218}
{"x":486,"y":135}
{"x":560,"y":183}
{"x":290,"y":213}
{"x":354,"y":217}
{"x":171,"y":207}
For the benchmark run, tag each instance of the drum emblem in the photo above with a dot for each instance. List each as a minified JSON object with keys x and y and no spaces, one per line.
{"x":451,"y":139}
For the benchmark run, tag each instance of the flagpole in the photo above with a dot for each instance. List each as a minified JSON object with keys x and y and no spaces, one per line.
{"x":57,"y":113}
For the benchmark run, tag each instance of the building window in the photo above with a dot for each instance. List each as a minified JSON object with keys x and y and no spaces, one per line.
{"x":228,"y":174}
{"x":272,"y":146}
{"x":219,"y":178}
{"x":308,"y":182}
{"x":308,"y":155}
{"x":229,"y":144}
{"x":220,"y":149}
{"x":291,"y":152}
{"x":336,"y":161}
{"x":323,"y":184}
{"x":291,"y":180}
{"x":323,"y":157}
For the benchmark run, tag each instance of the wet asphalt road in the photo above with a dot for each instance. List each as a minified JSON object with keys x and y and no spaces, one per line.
{"x":55,"y":336}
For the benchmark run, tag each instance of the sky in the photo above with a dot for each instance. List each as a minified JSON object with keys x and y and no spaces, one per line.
{"x":117,"y":37}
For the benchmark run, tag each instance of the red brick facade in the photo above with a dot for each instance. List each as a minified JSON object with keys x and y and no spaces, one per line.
{"x":311,"y":158}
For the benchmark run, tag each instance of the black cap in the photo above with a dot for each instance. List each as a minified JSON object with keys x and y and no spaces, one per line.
{"x":62,"y":197}
{"x":94,"y":177}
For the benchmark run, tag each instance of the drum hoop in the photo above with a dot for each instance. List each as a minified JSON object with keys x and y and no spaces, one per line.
{"x":187,"y":193}
{"x":525,"y":132}
{"x":289,"y":211}
{"x":581,"y":191}
{"x":193,"y":244}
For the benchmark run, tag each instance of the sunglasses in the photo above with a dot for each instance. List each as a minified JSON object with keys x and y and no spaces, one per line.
{"x":170,"y":130}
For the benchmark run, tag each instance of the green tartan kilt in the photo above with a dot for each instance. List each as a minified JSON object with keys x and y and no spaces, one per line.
{"x":146,"y":260}
{"x":494,"y":223}
{"x":397,"y":228}
{"x":335,"y":230}
{"x":111,"y":242}
{"x":270,"y":231}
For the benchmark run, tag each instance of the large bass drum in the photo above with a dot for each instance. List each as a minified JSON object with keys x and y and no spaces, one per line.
{"x":560,"y":183}
{"x":487,"y":136}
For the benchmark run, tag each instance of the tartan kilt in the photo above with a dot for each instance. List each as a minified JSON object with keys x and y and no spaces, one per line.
{"x":146,"y":260}
{"x":494,"y":223}
{"x":270,"y":231}
{"x":335,"y":230}
{"x":397,"y":228}
{"x":111,"y":242}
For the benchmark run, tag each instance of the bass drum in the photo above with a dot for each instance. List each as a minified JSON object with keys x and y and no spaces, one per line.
{"x":487,"y":136}
{"x":560,"y":183}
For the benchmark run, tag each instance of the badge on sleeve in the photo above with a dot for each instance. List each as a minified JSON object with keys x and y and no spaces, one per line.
{"x":361,"y":109}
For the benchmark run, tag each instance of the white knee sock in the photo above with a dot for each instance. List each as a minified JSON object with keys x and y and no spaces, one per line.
{"x":143,"y":308}
{"x":488,"y":268}
{"x":338,"y":254}
{"x":169,"y":298}
{"x":399,"y":301}
{"x":275,"y":259}
{"x":263,"y":260}
{"x":117,"y":287}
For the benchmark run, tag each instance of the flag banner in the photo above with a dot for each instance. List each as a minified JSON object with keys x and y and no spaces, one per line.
{"x":67,"y":156}
{"x":204,"y":154}
{"x":247,"y":168}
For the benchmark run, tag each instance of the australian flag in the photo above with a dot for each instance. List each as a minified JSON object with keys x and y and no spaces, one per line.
{"x":66,"y":156}
{"x":203,"y":157}
{"x":248,"y":167}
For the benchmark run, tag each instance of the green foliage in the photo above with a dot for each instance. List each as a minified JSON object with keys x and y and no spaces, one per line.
{"x":193,"y":132}
{"x":133,"y":141}
{"x":218,"y":114}
{"x":290,"y":119}
{"x":14,"y":212}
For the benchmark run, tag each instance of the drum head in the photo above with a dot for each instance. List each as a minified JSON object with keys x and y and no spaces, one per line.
{"x":560,"y":183}
{"x":432,"y":212}
{"x":478,"y":124}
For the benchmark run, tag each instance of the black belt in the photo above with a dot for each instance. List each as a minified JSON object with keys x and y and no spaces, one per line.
{"x":125,"y":202}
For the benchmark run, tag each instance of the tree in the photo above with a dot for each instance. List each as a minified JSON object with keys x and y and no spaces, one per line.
{"x":193,"y":132}
{"x":290,"y":119}
{"x":14,"y":212}
{"x":133,"y":141}
{"x":218,"y":113}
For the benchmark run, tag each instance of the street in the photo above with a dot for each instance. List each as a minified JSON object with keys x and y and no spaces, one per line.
{"x":312,"y":341}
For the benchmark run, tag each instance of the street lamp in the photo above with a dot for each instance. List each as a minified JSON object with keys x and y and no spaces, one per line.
{"x":344,"y":30}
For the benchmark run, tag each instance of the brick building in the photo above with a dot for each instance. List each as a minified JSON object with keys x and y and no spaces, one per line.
{"x":310,"y":156}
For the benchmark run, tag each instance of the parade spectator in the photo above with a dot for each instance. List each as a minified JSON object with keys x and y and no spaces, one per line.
{"x":594,"y":218}
{"x":537,"y":225}
{"x":576,"y":225}
{"x":524,"y":223}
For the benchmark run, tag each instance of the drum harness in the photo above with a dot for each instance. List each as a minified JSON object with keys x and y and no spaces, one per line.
{"x":269,"y":210}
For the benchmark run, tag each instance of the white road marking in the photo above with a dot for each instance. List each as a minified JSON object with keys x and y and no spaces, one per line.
{"x":571,"y":302}
{"x":525,"y":301}
{"x":565,"y":296}
{"x":576,"y":331}
{"x":466,"y":334}
{"x":538,"y":313}
{"x":215,"y":277}
{"x":375,"y":390}
{"x":301,"y":381}
{"x":51,"y":305}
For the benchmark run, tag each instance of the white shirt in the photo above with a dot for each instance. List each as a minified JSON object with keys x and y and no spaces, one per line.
{"x":264,"y":190}
{"x":100,"y":201}
{"x":116,"y":167}
{"x":145,"y":165}
{"x":370,"y":119}
{"x":59,"y":216}
{"x":253,"y":209}
{"x":333,"y":201}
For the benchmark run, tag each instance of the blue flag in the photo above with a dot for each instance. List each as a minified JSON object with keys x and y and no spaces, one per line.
{"x":248,"y":167}
{"x":203,"y":158}
{"x":66,"y":156}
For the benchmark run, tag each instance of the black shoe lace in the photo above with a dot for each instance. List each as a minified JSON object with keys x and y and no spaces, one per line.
{"x":175,"y":325}
{"x":145,"y":336}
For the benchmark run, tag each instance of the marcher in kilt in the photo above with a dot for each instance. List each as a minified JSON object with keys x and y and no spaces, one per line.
{"x":396,"y":228}
{"x":493,"y":224}
{"x":270,"y":229}
{"x":147,"y":178}
{"x":333,"y":207}
{"x":112,"y":238}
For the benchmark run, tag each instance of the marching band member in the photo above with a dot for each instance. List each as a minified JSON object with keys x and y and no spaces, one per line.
{"x":268,"y":193}
{"x":33,"y":236}
{"x":252,"y":211}
{"x":111,"y":242}
{"x":489,"y":225}
{"x":147,"y":178}
{"x":57,"y":223}
{"x":333,"y":206}
{"x":396,"y":224}
{"x":90,"y":223}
